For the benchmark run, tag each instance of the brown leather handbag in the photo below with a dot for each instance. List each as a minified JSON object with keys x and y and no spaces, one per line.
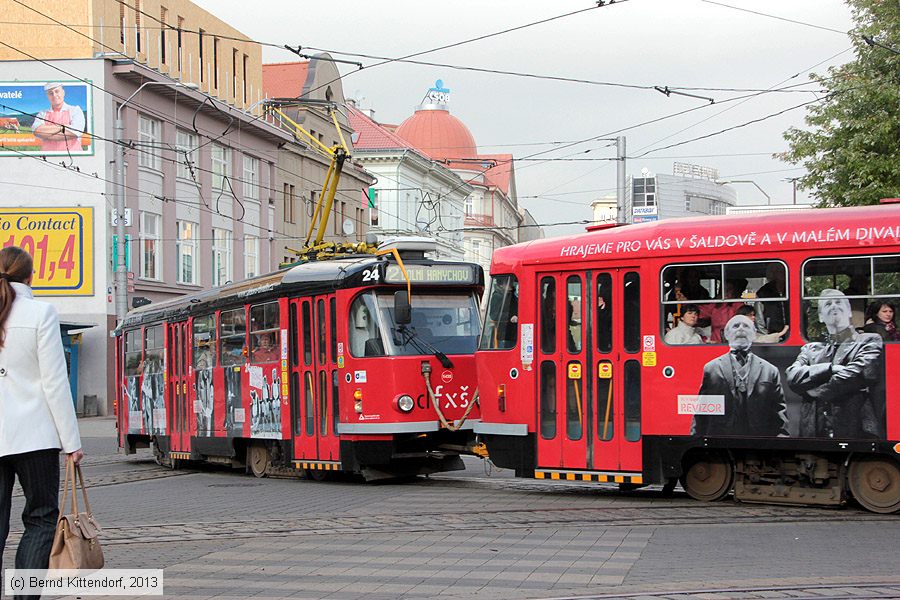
{"x":76,"y":544}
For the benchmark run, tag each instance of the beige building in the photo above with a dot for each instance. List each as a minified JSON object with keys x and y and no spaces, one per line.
{"x":174,"y":37}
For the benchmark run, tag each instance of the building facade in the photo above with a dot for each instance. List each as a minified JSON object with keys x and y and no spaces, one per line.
{"x":689,"y":192}
{"x":199,"y":169}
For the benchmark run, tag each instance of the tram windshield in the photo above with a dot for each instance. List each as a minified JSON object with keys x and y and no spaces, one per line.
{"x":447,"y":323}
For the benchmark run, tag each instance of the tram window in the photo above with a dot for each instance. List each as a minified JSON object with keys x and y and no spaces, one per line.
{"x":308,"y":393}
{"x":321,"y":328}
{"x":232,"y":337}
{"x":332,"y":315}
{"x":548,"y":315}
{"x":265,"y":333}
{"x":632,"y":400}
{"x":307,"y":334}
{"x":604,"y":312}
{"x":548,"y":400}
{"x":154,"y":348}
{"x":335,"y":403}
{"x":605,"y":412}
{"x":204,"y":334}
{"x":574,"y":406}
{"x":133,"y":353}
{"x":631,"y":311}
{"x":364,"y":338}
{"x":295,"y":403}
{"x":869,"y":283}
{"x":753,"y":288}
{"x":323,"y":403}
{"x":573,"y":314}
{"x":501,"y":324}
{"x":292,"y":339}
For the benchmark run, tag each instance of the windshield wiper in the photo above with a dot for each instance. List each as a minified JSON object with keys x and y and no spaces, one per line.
{"x":410,"y":336}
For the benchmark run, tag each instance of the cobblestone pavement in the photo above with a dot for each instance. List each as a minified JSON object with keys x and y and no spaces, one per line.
{"x":219,"y":533}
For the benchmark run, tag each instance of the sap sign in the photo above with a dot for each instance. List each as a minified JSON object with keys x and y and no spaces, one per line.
{"x":643,"y":210}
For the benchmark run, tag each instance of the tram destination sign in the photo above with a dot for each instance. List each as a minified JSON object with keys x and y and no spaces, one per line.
{"x":433,"y":274}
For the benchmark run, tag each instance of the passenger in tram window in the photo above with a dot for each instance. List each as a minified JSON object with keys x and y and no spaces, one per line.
{"x":761,"y":338}
{"x":686,"y":330}
{"x":265,"y":350}
{"x":749,"y":387}
{"x":835,"y":379}
{"x":880,"y":320}
{"x":716,"y":314}
{"x":688,"y":286}
{"x":772,"y":316}
{"x":858,"y":286}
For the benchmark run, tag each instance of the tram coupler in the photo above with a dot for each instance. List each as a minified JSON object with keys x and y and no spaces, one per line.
{"x":426,"y":368}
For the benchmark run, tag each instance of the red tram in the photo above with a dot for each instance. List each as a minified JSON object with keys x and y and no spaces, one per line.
{"x":757,"y":355}
{"x":363,"y":364}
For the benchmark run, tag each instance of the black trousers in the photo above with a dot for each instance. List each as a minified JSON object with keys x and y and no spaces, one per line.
{"x":38,"y":473}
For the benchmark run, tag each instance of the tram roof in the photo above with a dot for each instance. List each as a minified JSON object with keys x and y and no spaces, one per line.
{"x":702,"y":236}
{"x":313,"y":276}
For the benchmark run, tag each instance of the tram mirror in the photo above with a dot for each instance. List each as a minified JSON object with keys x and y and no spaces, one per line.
{"x":138,"y":301}
{"x":402,"y":310}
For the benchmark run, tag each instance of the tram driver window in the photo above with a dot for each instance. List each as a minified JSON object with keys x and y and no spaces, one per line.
{"x":870,"y":284}
{"x":364,"y":337}
{"x":233,"y":337}
{"x":755,"y":289}
{"x":133,"y":353}
{"x":264,"y":333}
{"x":204,"y":331}
{"x":501,"y":323}
{"x":154,"y":350}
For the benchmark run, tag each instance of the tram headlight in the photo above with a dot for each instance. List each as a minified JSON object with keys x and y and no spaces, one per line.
{"x":404,"y":403}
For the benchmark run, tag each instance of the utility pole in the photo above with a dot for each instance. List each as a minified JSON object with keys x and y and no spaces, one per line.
{"x":793,"y":180}
{"x":620,"y":179}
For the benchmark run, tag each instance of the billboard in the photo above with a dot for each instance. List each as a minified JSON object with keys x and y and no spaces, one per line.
{"x":49,"y":118}
{"x":61,"y":241}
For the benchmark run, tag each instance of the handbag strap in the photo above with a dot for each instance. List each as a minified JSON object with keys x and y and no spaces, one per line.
{"x":87,"y":505}
{"x":62,"y":504}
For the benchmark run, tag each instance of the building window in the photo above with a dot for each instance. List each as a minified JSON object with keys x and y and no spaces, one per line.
{"x":180,"y":27}
{"x":186,"y":249}
{"x":221,"y":257}
{"x":163,"y":16}
{"x":470,"y":205}
{"x":151,"y":248}
{"x":244,"y":80}
{"x":373,"y":208}
{"x":216,"y":63}
{"x":137,"y":25}
{"x":200,"y":33}
{"x":234,"y":73}
{"x":148,"y":143}
{"x":289,"y":204}
{"x":221,"y":166}
{"x":476,"y":250}
{"x":251,"y":178}
{"x":643,"y":191}
{"x":251,"y":256}
{"x":186,"y":148}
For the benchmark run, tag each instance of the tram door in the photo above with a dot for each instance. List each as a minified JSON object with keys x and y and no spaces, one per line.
{"x":588,"y":362}
{"x":313,"y":386}
{"x":562,"y":417}
{"x":177,"y":385}
{"x":616,"y":350}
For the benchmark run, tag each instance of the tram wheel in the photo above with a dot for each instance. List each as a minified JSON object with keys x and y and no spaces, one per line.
{"x":709,"y":478}
{"x":875,"y":483}
{"x":258,"y":459}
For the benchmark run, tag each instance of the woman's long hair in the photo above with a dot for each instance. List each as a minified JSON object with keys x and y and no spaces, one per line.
{"x":15,"y":266}
{"x":875,"y":307}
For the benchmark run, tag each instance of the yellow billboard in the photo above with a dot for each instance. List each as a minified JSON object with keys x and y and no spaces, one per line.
{"x":61,"y":241}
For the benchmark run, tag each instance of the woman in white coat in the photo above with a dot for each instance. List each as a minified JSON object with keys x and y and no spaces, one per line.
{"x":37,"y":417}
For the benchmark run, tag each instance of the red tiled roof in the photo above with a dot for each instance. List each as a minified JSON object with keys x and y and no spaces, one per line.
{"x":284,"y":80}
{"x":372,"y":136}
{"x":439,"y":134}
{"x":499,"y":175}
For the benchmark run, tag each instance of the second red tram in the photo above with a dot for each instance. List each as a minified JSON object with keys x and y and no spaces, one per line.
{"x":757,"y":355}
{"x":321,"y":367}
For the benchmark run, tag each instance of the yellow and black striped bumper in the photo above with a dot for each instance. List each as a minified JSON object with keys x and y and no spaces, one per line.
{"x":318,"y":465}
{"x":600,"y":477}
{"x":180,"y":455}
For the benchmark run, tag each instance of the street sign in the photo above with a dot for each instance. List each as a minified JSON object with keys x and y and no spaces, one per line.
{"x":114,"y":218}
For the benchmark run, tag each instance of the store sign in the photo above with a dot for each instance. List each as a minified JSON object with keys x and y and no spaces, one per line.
{"x":61,"y":242}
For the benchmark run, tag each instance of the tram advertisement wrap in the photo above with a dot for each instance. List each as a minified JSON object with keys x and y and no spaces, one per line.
{"x":61,"y":240}
{"x":834,"y":388}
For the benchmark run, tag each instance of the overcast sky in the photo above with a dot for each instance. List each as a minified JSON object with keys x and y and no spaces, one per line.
{"x":689,"y":43}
